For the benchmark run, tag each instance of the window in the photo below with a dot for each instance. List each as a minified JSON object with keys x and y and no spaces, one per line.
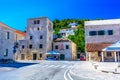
{"x":41,"y":46}
{"x":67,"y":46}
{"x":93,"y":33}
{"x":30,"y":46}
{"x":109,"y":54}
{"x":38,"y":21}
{"x":35,"y":22}
{"x":30,"y":37}
{"x":40,"y":55}
{"x":110,"y":32}
{"x":23,"y":47}
{"x":56,"y":47}
{"x":6,"y":52}
{"x":38,"y":29}
{"x":101,"y":32}
{"x":99,"y":53}
{"x":8,"y":35}
{"x":41,"y":37}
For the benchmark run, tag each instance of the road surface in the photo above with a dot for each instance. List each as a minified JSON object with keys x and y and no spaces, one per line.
{"x":44,"y":70}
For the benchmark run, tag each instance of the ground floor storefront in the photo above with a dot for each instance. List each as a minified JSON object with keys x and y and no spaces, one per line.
{"x":43,"y":56}
{"x":103,"y":56}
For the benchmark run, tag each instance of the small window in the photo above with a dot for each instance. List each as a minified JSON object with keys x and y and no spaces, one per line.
{"x":8,"y":35}
{"x":30,"y":46}
{"x":101,"y":32}
{"x":109,"y":54}
{"x":6,"y":52}
{"x":30,"y":37}
{"x":41,"y":46}
{"x":110,"y":32}
{"x":23,"y":46}
{"x":99,"y":53}
{"x":93,"y":33}
{"x":40,"y":55}
{"x":67,"y":46}
{"x":38,"y":29}
{"x":41,"y":37}
{"x":35,"y":22}
{"x":38,"y":21}
{"x":56,"y":47}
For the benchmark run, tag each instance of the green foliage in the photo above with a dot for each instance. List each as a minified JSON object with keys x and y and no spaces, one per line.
{"x":79,"y":37}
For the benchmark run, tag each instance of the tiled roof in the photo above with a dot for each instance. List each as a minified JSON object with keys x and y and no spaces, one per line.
{"x":6,"y":26}
{"x":20,"y":32}
{"x":91,"y":47}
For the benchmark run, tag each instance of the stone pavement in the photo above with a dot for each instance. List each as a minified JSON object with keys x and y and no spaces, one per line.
{"x":89,"y":71}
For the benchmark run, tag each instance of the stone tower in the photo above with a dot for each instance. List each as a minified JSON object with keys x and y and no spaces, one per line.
{"x":39,"y":36}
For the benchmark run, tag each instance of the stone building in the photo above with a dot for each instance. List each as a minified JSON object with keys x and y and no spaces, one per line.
{"x":98,"y":35}
{"x":66,"y":48}
{"x":7,"y":41}
{"x":20,"y":35}
{"x":38,"y":42}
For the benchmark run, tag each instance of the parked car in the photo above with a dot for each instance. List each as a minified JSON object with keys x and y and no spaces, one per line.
{"x":82,"y":58}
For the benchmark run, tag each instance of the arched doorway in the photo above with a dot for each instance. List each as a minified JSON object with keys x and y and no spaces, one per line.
{"x":62,"y":57}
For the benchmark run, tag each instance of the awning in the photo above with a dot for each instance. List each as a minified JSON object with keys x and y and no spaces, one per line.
{"x":92,"y":47}
{"x":52,"y":52}
{"x":113,"y":47}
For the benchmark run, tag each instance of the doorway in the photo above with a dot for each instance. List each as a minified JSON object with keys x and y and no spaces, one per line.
{"x":34,"y":56}
{"x":62,"y":57}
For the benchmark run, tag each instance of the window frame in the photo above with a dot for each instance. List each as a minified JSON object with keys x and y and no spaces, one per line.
{"x":35,"y":22}
{"x":91,"y":33}
{"x":99,"y":32}
{"x":8,"y":35}
{"x":30,"y":46}
{"x":41,"y":46}
{"x":40,"y":55}
{"x":56,"y":47}
{"x":67,"y":46}
{"x":110,"y":33}
{"x":31,"y":37}
{"x":41,"y":36}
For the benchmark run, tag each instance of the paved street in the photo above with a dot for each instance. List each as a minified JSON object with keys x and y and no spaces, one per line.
{"x":44,"y":70}
{"x":53,"y":70}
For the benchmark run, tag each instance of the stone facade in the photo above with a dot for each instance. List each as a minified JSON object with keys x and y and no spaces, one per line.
{"x":19,"y":35}
{"x":6,"y":41}
{"x":39,"y":37}
{"x":65,"y":47}
{"x":101,"y":32}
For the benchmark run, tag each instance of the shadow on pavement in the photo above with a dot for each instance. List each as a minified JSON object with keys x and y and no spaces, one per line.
{"x":15,"y":64}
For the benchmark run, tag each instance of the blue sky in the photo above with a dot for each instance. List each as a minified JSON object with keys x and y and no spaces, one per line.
{"x":16,"y":12}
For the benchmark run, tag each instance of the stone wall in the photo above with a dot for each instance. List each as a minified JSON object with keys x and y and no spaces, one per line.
{"x":6,"y":43}
{"x":70,"y":54}
{"x":103,"y":38}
